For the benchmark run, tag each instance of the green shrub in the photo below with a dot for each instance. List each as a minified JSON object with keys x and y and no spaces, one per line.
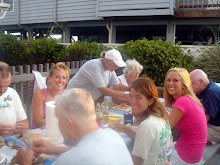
{"x":209,"y":62}
{"x":156,"y":56}
{"x":12,"y":50}
{"x":82,"y":50}
{"x":44,"y":50}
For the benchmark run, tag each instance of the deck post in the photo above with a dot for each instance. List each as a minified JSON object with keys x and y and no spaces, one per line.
{"x":171,"y":31}
{"x":66,"y":35}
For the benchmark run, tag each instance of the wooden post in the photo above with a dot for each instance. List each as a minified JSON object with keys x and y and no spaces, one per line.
{"x":28,"y":96}
{"x":171,"y":31}
{"x":21,"y":88}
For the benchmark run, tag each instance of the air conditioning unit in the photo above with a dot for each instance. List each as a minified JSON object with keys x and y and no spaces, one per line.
{"x":4,"y":5}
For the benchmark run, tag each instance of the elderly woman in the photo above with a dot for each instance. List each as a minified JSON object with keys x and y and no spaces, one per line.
{"x":153,"y":139}
{"x":58,"y":77}
{"x":187,"y":116}
{"x":131,"y":72}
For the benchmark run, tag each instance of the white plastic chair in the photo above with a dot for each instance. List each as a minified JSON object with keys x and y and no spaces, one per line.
{"x":40,"y":81}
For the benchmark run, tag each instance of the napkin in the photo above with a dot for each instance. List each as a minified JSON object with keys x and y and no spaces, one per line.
{"x":52,"y":128}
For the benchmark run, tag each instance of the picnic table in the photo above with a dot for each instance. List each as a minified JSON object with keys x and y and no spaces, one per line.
{"x":18,"y":139}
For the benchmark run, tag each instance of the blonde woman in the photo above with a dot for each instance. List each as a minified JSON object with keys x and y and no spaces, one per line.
{"x":187,"y":116}
{"x":58,"y":77}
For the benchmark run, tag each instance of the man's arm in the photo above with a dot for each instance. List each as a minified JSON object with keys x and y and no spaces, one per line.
{"x":109,"y":92}
{"x":119,"y":100}
{"x":121,"y":87}
{"x":46,"y":147}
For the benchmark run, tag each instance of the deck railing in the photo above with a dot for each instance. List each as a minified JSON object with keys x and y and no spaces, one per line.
{"x":197,"y":4}
{"x":23,"y":79}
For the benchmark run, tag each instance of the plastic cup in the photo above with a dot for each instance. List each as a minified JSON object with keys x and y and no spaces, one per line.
{"x":99,"y":122}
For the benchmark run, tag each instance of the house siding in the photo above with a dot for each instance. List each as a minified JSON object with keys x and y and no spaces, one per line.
{"x":46,"y":11}
{"x":76,"y":10}
{"x":109,"y":8}
{"x":40,"y":11}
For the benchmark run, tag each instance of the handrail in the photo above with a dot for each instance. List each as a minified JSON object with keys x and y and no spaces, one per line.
{"x":194,"y":4}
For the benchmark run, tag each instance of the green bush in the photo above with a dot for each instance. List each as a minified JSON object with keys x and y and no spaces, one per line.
{"x":44,"y":50}
{"x":11,"y":50}
{"x":209,"y":62}
{"x":156,"y":56}
{"x":82,"y":50}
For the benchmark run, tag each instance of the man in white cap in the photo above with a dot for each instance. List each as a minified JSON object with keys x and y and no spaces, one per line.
{"x":97,"y":75}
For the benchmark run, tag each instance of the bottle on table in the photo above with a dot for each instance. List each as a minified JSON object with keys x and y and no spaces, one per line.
{"x":105,"y":112}
{"x":128,"y":117}
{"x":99,"y":114}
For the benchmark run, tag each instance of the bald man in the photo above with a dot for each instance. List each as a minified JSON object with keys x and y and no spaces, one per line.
{"x":209,"y":94}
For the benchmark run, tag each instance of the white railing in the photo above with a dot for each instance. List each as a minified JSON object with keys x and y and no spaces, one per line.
{"x":197,"y":4}
{"x":195,"y":50}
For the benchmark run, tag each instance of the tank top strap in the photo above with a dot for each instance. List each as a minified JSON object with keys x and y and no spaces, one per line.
{"x":46,"y":94}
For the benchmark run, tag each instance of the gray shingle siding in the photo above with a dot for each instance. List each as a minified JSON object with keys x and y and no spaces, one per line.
{"x":109,"y":8}
{"x":42,"y":11}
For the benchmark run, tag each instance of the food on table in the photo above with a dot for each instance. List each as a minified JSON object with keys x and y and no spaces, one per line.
{"x":121,"y":107}
{"x":12,"y":145}
{"x":40,"y":159}
{"x":2,"y":143}
{"x":29,"y":137}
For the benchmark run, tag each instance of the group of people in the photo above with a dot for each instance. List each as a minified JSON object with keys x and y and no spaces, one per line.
{"x":195,"y":114}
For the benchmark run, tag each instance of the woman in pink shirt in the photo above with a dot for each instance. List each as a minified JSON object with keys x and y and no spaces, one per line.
{"x":187,"y":116}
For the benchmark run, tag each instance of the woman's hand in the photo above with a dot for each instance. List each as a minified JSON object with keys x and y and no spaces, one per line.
{"x":6,"y":130}
{"x":118,"y":127}
{"x":123,"y":128}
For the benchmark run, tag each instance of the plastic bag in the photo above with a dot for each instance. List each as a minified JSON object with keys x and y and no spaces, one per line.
{"x":40,"y":82}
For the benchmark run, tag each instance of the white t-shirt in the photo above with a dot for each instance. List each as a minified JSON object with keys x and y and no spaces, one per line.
{"x":11,"y":108}
{"x":102,"y":147}
{"x":153,"y":141}
{"x":91,"y":76}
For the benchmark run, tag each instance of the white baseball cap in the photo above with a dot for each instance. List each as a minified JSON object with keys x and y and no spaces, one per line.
{"x":115,"y":56}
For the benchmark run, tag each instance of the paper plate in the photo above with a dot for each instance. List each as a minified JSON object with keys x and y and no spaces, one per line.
{"x":2,"y":158}
{"x":121,"y":108}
